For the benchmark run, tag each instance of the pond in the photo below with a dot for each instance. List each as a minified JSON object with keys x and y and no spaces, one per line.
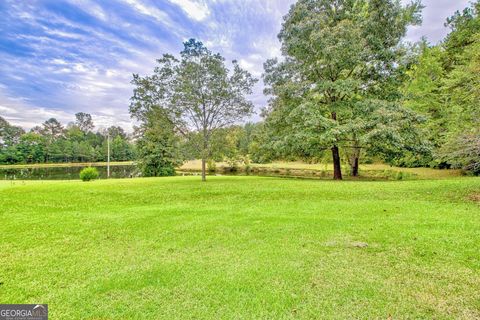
{"x":131,"y":170}
{"x":65,"y":173}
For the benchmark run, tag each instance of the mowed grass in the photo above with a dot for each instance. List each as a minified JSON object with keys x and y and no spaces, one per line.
{"x":242,"y":248}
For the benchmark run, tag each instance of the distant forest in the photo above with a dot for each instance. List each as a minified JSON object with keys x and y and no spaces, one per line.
{"x":52,"y":142}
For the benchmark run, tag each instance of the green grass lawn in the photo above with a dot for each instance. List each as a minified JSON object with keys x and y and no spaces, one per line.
{"x":242,"y":248}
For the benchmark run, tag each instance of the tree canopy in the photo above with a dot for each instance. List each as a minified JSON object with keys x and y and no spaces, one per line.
{"x":194,"y":93}
{"x":333,"y":88}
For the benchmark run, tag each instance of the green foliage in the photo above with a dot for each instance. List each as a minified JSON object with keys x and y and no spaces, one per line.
{"x":233,"y":162}
{"x":52,"y":143}
{"x":211,"y":165}
{"x":195,"y":93}
{"x":247,"y":163}
{"x":88,"y":174}
{"x":32,"y":148}
{"x":9,"y":135}
{"x":157,"y":146}
{"x":337,"y":86}
{"x":444,"y":85}
{"x":463,"y":151}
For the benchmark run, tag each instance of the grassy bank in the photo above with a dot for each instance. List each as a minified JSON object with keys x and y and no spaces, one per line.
{"x":242,"y":248}
{"x":298,"y":168}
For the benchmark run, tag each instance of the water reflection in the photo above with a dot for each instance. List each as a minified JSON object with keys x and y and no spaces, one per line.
{"x":65,"y":173}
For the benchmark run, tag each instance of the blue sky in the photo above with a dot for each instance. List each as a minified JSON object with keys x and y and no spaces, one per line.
{"x":59,"y":57}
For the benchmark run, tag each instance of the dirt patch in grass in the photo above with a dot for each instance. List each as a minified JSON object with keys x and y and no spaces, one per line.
{"x":475,"y":197}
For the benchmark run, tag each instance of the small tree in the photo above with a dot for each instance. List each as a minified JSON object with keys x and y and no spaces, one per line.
{"x":157,"y":146}
{"x":195,"y":93}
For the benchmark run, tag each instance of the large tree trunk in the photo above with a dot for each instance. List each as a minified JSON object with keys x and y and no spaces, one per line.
{"x":354,"y":161}
{"x":337,"y":168}
{"x":355,"y":167}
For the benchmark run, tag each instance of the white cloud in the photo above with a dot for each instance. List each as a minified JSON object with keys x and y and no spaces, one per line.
{"x":20,"y":112}
{"x":77,"y":66}
{"x":197,"y":10}
{"x":149,"y":11}
{"x":91,"y":8}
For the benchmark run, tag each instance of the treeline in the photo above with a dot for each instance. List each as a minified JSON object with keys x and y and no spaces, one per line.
{"x":443,"y":84}
{"x":51,"y":142}
{"x":347,"y":90}
{"x":347,"y":84}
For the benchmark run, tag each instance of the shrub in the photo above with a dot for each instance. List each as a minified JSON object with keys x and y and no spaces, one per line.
{"x":211,"y":165}
{"x":399,"y":175}
{"x":246,"y":163}
{"x":233,"y":163}
{"x":88,"y":174}
{"x":153,"y":166}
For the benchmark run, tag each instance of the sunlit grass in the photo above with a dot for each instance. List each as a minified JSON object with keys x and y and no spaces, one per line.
{"x":242,"y":248}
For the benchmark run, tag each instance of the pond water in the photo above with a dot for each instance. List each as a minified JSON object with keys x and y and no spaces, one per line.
{"x":65,"y":173}
{"x":130,"y":170}
{"x":123,"y":171}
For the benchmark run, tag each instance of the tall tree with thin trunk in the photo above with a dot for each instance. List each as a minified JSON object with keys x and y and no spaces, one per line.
{"x":196,"y":92}
{"x":84,"y":121}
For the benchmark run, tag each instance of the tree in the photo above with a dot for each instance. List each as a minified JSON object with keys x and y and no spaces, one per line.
{"x":9,"y":138}
{"x":9,"y":135}
{"x":464,"y":27}
{"x":52,"y":128}
{"x":84,"y":121}
{"x":463,"y":151}
{"x":115,"y":131}
{"x":196,"y":93}
{"x":444,"y":85}
{"x":32,"y":148}
{"x":462,"y":82}
{"x":50,"y":142}
{"x":423,"y":91}
{"x":337,"y":55}
{"x":51,"y":131}
{"x":83,"y":151}
{"x":74,"y":134}
{"x":157,"y":145}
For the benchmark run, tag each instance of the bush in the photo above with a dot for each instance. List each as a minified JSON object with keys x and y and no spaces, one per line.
{"x":157,"y":169}
{"x":246,"y":163}
{"x":211,"y":165}
{"x":233,"y":163}
{"x":88,"y":174}
{"x":155,"y":166}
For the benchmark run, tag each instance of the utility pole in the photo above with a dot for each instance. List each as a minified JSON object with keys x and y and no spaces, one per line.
{"x":108,"y":155}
